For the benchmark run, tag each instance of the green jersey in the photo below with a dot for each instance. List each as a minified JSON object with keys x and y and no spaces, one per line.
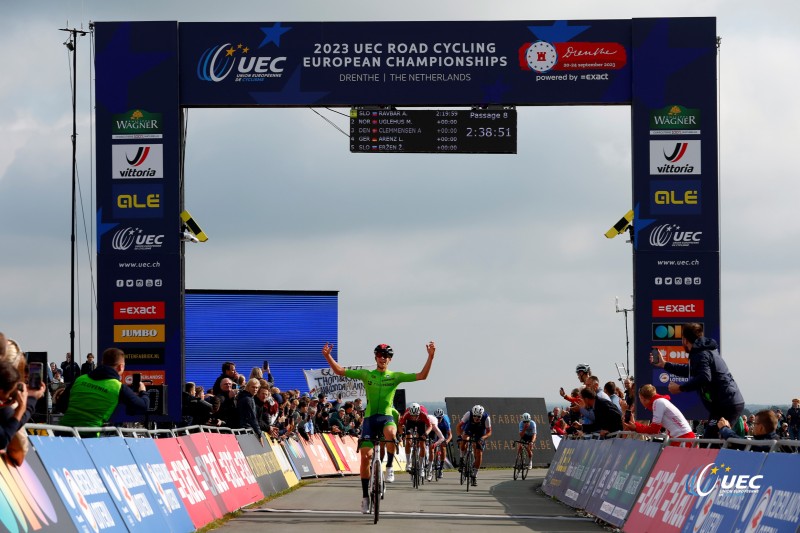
{"x":380,"y":388}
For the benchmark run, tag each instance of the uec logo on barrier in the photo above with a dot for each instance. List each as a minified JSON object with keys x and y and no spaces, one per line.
{"x":701,"y":482}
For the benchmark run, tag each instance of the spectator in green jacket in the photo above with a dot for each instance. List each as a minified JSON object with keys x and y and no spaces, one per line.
{"x":92,"y":398}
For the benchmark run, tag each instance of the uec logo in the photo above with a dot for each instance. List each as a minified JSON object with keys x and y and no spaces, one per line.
{"x":730,"y":483}
{"x":218,"y":61}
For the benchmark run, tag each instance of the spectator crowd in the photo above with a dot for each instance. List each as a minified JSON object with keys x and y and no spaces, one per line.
{"x":257,"y":403}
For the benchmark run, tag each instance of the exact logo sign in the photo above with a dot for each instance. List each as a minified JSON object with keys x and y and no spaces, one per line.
{"x":139,"y":333}
{"x":674,"y":157}
{"x":138,"y":310}
{"x":676,"y":308}
{"x":673,"y":197}
{"x":670,"y":235}
{"x":137,"y":201}
{"x":137,"y":161}
{"x":134,"y":239}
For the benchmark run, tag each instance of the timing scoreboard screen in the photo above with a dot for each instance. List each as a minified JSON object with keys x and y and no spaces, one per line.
{"x":445,"y":131}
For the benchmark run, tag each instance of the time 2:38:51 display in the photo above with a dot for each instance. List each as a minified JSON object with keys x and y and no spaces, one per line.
{"x":488,"y":132}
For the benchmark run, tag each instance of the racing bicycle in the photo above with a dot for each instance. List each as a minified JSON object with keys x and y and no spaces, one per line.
{"x":521,"y":462}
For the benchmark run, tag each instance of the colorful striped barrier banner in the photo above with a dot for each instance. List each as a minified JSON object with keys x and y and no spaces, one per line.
{"x":29,"y":499}
{"x":241,"y":487}
{"x":298,"y":457}
{"x":321,"y":460}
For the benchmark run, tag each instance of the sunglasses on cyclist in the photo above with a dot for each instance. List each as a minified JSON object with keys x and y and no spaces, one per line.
{"x":383,"y":356}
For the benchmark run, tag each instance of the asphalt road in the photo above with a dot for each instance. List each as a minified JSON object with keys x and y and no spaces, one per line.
{"x":331,"y":504}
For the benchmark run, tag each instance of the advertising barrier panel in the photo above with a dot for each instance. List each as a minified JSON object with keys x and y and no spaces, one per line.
{"x":664,"y":502}
{"x":263,"y":464}
{"x":587,"y":470}
{"x":29,"y":500}
{"x":145,"y":453}
{"x":298,"y":457}
{"x":206,"y":468}
{"x":725,"y":488}
{"x":79,"y":485}
{"x":334,"y":445}
{"x":627,"y":466}
{"x":286,"y":467}
{"x":776,"y":507}
{"x":555,"y":479}
{"x":126,"y":483}
{"x":196,"y":497}
{"x":505,"y":415}
{"x":319,"y":456}
{"x":242,"y":486}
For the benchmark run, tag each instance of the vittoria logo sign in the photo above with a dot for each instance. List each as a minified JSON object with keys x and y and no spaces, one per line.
{"x":674,"y":157}
{"x":137,"y":161}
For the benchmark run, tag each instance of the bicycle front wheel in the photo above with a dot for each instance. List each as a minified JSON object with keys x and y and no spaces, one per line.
{"x":376,"y":492}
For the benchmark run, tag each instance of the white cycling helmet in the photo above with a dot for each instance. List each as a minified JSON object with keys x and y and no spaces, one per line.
{"x":582,"y":367}
{"x":526,"y":417}
{"x":478,"y":410}
{"x":414,"y":409}
{"x":439,"y":413}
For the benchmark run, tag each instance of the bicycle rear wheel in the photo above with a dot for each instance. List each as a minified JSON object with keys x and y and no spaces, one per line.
{"x":517,"y":466}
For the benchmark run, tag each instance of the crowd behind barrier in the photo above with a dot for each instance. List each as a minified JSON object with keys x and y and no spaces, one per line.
{"x":129,"y":479}
{"x":638,"y":483}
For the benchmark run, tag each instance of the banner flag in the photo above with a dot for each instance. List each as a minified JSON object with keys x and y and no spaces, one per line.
{"x":324,"y":381}
{"x":334,"y":444}
{"x":155,"y":471}
{"x":29,"y":500}
{"x":79,"y":484}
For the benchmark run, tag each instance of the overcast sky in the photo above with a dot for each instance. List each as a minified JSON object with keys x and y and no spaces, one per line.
{"x":500,"y":259}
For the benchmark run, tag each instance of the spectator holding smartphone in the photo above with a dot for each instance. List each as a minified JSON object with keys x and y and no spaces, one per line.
{"x":708,"y":375}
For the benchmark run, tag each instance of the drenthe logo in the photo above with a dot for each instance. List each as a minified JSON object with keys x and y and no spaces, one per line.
{"x":702,"y":481}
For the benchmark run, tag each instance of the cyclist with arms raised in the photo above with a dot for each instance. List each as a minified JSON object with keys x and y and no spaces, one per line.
{"x":380,"y":385}
{"x":527,"y":434}
{"x":476,"y":426}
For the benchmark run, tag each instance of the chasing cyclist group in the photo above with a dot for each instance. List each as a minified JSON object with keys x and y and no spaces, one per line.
{"x":430,"y":433}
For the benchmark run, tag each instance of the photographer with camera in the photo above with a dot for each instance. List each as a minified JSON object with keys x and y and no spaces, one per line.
{"x":17,"y":403}
{"x":92,"y":398}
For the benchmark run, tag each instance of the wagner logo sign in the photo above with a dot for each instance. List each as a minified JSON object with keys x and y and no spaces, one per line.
{"x":675,"y":120}
{"x":137,"y":124}
{"x":674,"y":157}
{"x":139,"y":333}
{"x":678,"y":308}
{"x":138,"y":310}
{"x":135,"y":161}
